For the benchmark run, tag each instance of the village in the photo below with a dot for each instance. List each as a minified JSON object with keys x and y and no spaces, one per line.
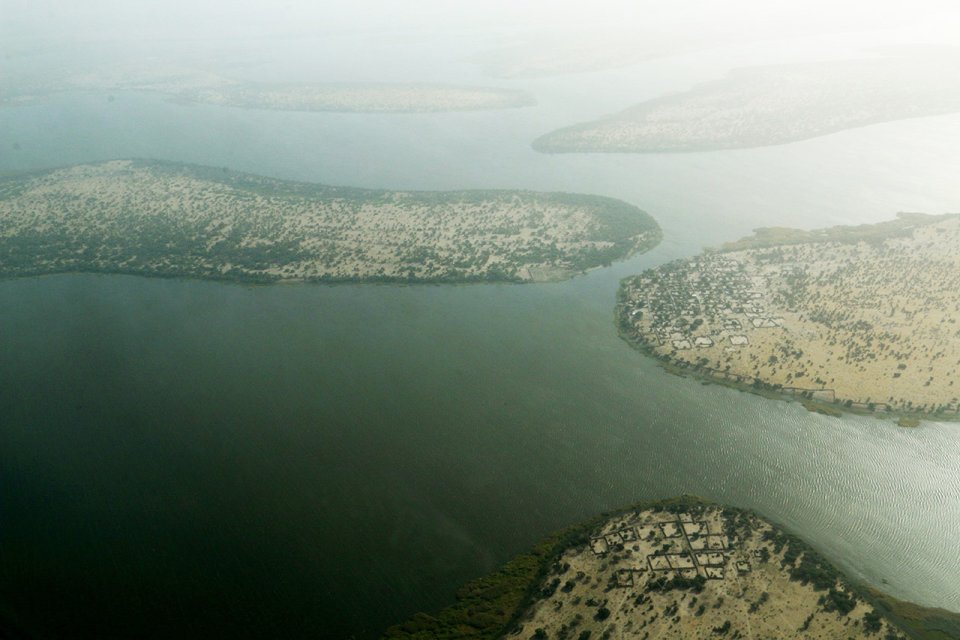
{"x":679,"y":547}
{"x":697,"y":571}
{"x":859,"y":319}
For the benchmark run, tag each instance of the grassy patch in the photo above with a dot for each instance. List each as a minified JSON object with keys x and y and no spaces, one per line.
{"x":490,"y":606}
{"x":821,"y":408}
{"x":486,"y":607}
{"x":922,"y":623}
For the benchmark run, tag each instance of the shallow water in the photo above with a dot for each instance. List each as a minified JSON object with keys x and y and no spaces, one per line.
{"x":191,"y":458}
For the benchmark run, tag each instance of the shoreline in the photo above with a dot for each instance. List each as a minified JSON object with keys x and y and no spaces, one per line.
{"x":831,"y":409}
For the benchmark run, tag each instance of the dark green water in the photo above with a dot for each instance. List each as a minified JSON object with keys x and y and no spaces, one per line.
{"x":195,"y":459}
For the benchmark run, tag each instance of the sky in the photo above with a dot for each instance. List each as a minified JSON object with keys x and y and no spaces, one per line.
{"x":227,"y":19}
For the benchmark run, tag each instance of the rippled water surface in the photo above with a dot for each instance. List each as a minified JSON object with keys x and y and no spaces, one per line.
{"x":181,"y":457}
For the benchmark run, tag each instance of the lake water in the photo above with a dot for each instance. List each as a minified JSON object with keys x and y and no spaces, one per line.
{"x":183,"y":458}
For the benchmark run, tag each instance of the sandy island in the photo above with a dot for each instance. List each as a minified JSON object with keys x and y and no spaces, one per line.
{"x":855,"y":318}
{"x":188,"y":85}
{"x":174,"y":220}
{"x":760,"y":106}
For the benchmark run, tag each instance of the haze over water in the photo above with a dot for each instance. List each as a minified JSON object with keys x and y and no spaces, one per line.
{"x":193,"y":458}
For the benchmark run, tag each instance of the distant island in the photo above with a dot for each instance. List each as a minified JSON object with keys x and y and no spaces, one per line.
{"x":860,"y":318}
{"x":760,"y":106}
{"x":188,"y":85}
{"x":680,"y":568}
{"x":360,"y":98}
{"x":175,"y":220}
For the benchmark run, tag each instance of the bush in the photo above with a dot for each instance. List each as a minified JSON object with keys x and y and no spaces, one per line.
{"x":663,"y":585}
{"x":872,"y":622}
{"x":839,"y":601}
{"x":723,"y":629}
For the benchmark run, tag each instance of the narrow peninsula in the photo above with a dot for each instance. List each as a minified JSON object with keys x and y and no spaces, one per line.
{"x":681,"y":568}
{"x":857,"y":318}
{"x":358,"y":98}
{"x":770,"y":105}
{"x":174,"y":220}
